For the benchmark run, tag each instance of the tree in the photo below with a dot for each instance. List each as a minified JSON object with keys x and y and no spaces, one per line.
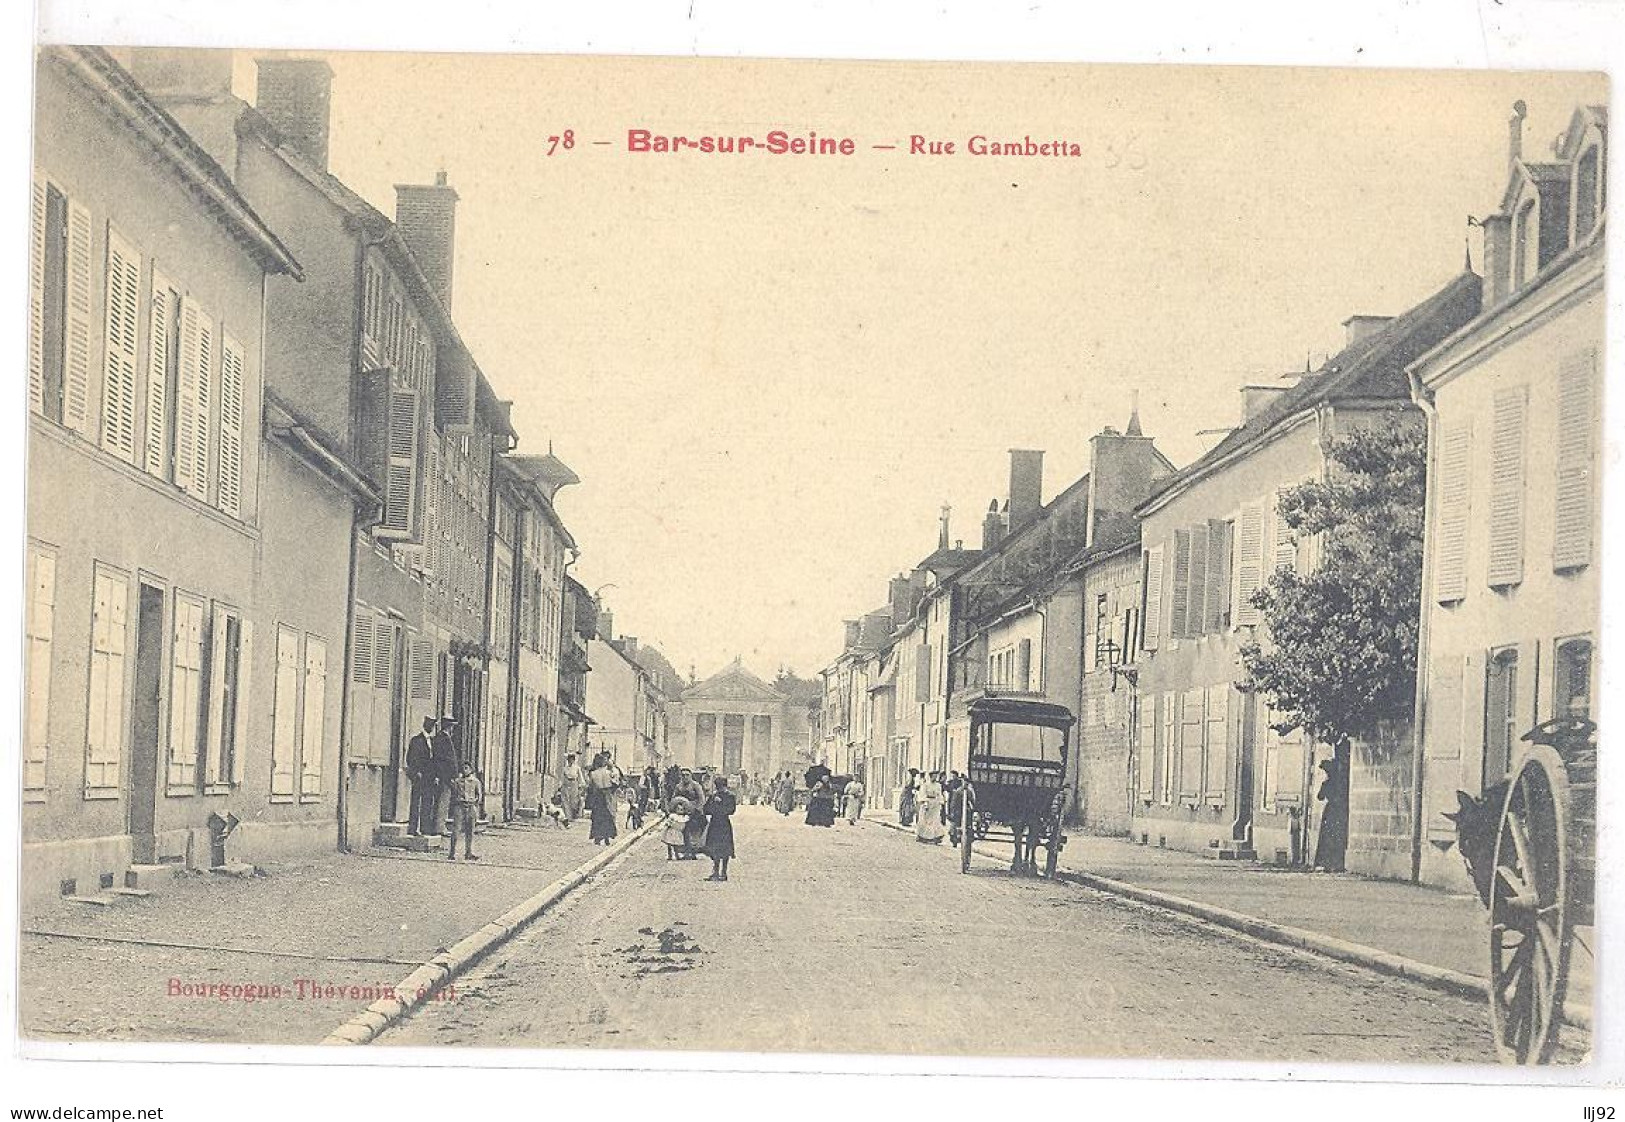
{"x":1340,"y":650}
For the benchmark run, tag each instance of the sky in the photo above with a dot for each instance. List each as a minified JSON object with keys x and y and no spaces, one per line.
{"x":770,"y":372}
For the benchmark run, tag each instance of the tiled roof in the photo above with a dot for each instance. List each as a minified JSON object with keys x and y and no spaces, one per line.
{"x":1373,"y":368}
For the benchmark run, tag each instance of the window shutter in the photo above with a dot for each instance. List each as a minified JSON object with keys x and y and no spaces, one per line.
{"x":1450,"y":542}
{"x":313,"y":739}
{"x":1196,"y":598}
{"x":1182,"y":583}
{"x":1216,"y":765}
{"x":383,"y":666}
{"x":1151,"y":631}
{"x":158,"y":329}
{"x":1249,"y":563}
{"x":1168,"y":704}
{"x":192,"y":404}
{"x":361,"y":643}
{"x":1191,"y":722}
{"x":231,"y":427}
{"x":218,"y":700}
{"x":1291,"y":762}
{"x":1507,"y":485}
{"x":105,"y":726}
{"x":36,"y":299}
{"x":185,"y":695}
{"x":285,"y":722}
{"x":922,"y":673}
{"x":1145,"y":748}
{"x":245,"y":661}
{"x":1218,"y":575}
{"x":401,"y":470}
{"x":1577,"y":421}
{"x":1024,"y":664}
{"x":76,"y":349}
{"x":41,"y":618}
{"x":123,"y":307}
{"x":1285,"y":542}
{"x":421,"y":687}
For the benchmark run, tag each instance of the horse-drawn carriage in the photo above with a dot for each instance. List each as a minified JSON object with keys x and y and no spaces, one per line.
{"x":1016,"y":780}
{"x":1530,"y":846}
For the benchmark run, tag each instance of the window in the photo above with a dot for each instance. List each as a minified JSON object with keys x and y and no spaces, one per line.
{"x":1219,"y":535}
{"x":123,"y":306}
{"x":185,"y":695}
{"x":1145,"y":747}
{"x":1450,"y":542}
{"x":1216,"y":750}
{"x":40,"y":623}
{"x":285,"y":716}
{"x":1097,"y":647}
{"x":1587,"y":193}
{"x":227,"y":733}
{"x":193,"y":404}
{"x":1572,"y":680}
{"x":1524,"y":248}
{"x":59,"y":307}
{"x":1152,"y":583}
{"x":1577,"y":422}
{"x":1500,"y":715}
{"x":163,"y":377}
{"x":105,"y":724}
{"x":230,"y":495}
{"x":1196,"y":595}
{"x":1506,"y":529}
{"x":313,"y":724}
{"x":1249,"y":563}
{"x":1182,"y":584}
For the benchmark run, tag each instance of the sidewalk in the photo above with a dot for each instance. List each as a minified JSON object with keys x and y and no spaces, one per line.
{"x":326,"y":931}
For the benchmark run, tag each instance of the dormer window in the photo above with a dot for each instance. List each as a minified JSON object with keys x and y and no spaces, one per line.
{"x":1587,"y":208}
{"x":1525,"y":247}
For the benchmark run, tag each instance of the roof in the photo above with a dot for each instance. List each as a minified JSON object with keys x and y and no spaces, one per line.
{"x":1371,"y":369}
{"x":114,"y":88}
{"x":545,"y":475}
{"x":734,"y":681}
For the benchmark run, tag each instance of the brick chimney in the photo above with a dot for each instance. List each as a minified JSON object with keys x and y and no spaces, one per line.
{"x":629,"y":645}
{"x":427,"y":219}
{"x":1026,"y":486}
{"x":1122,"y":467}
{"x":992,"y":526}
{"x":900,"y":595}
{"x":606,"y":624}
{"x":851,"y":634}
{"x":294,"y":94}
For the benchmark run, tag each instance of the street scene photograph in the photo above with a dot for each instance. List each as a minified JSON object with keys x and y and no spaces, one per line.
{"x":617,"y":555}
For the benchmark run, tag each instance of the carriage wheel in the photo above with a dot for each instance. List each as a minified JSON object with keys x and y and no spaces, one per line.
{"x":1531,"y":916}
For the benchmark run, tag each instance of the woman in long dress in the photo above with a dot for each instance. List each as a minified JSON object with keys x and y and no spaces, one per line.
{"x":601,"y":800}
{"x":572,"y":789}
{"x":854,"y":802}
{"x":928,"y":824}
{"x":906,"y":801}
{"x":719,"y":835}
{"x":821,"y":805}
{"x":784,"y":794}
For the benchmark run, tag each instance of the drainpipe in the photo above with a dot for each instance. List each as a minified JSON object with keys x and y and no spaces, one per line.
{"x":1423,"y":397}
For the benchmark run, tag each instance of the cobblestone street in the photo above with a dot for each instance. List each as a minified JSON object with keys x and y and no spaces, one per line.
{"x":340,"y":921}
{"x":859,"y":939}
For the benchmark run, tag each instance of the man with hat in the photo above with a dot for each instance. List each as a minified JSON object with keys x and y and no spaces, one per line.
{"x":425,"y":796}
{"x":444,"y":764}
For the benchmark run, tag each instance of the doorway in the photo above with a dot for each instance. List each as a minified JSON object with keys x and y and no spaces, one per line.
{"x":146,"y":721}
{"x":389,"y":786}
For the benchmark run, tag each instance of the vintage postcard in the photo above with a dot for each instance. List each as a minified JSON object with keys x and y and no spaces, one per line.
{"x":1038,"y":561}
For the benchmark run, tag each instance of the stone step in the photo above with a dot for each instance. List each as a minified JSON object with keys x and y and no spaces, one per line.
{"x":133,"y":893}
{"x":240,"y":869}
{"x":100,"y":900}
{"x":528,"y":812}
{"x":408,"y":842}
{"x":1231,"y":851}
{"x":147,"y":877}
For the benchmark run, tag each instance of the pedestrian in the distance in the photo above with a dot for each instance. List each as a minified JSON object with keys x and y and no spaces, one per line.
{"x":719,"y":835}
{"x":821,"y":805}
{"x":425,"y":790}
{"x":572,"y":788}
{"x":784,"y":794}
{"x":601,"y":800}
{"x":906,"y":802}
{"x":446,"y":764}
{"x":854,"y":802}
{"x":466,"y":793}
{"x":928,"y":824}
{"x":672,"y":834}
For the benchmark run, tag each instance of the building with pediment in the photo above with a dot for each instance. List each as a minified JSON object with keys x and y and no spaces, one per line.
{"x":734,"y":721}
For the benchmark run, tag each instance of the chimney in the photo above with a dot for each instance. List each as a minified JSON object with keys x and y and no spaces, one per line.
{"x":606,"y":624}
{"x":899,"y":594}
{"x":1256,"y":399}
{"x":294,"y":95}
{"x":1515,"y":133}
{"x":851,"y":634}
{"x":992,"y":526}
{"x":427,"y":219}
{"x":1363,"y":327}
{"x":629,"y":645}
{"x":942,"y":529}
{"x":1026,"y":486}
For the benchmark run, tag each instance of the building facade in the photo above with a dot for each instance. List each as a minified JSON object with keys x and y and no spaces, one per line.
{"x":735,"y":722}
{"x":1511,"y":595}
{"x":159,"y":689}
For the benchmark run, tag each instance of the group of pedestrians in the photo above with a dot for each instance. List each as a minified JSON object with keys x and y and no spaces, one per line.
{"x":930,"y":801}
{"x":827,"y":798}
{"x":699,"y":818}
{"x":442,"y":785}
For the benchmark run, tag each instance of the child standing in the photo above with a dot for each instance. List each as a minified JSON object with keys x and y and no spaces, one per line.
{"x":672,"y":832}
{"x":466,"y":794}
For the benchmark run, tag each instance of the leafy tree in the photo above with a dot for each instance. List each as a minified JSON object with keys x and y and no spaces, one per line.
{"x":1340,"y":650}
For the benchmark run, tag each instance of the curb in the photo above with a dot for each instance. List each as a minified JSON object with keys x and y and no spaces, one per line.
{"x":1357,"y":954}
{"x":418,"y":987}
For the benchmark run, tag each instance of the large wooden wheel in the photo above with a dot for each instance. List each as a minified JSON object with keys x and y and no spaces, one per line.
{"x":1532,"y":909}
